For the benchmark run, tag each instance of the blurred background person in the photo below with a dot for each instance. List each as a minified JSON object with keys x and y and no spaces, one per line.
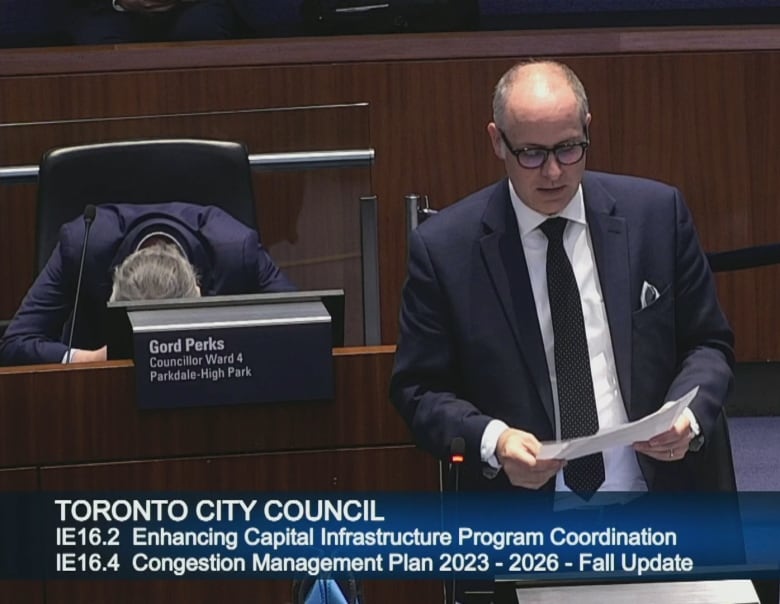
{"x":115,"y":21}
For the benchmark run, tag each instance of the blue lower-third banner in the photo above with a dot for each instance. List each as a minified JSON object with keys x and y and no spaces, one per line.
{"x":387,"y":535}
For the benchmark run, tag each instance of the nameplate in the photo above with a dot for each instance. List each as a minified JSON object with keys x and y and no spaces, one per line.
{"x":228,"y":355}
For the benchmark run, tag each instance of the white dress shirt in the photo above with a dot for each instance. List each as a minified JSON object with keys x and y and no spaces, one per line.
{"x":621,"y":468}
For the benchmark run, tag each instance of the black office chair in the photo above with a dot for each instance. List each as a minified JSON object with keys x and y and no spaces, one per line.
{"x":204,"y":172}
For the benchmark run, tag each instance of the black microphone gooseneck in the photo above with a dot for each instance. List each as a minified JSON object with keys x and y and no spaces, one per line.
{"x":457,"y":457}
{"x":89,"y":216}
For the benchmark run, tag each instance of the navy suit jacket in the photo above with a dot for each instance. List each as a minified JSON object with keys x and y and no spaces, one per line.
{"x":227,"y":256}
{"x":470,"y":347}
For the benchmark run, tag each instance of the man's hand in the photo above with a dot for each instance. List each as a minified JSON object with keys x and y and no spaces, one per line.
{"x":516,"y":451}
{"x":147,"y":6}
{"x":671,"y":445}
{"x":88,"y":356}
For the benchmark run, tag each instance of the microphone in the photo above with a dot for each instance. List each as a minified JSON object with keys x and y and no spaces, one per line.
{"x":89,"y":216}
{"x":457,"y":457}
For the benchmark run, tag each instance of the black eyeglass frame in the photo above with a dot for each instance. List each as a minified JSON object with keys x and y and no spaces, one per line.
{"x":547,"y":150}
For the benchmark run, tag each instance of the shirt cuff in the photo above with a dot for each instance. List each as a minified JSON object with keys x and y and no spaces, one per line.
{"x":487,"y":448}
{"x":695,"y":428}
{"x":117,"y":6}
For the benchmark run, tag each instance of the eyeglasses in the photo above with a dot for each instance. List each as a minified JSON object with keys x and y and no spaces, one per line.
{"x":531,"y":158}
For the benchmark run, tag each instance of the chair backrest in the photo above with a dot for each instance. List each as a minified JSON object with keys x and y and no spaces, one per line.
{"x":141,"y":171}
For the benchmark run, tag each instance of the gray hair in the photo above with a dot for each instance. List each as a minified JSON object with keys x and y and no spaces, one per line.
{"x":506,"y":82}
{"x":154,"y":273}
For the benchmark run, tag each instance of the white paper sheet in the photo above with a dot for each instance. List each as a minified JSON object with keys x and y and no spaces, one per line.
{"x":619,"y":436}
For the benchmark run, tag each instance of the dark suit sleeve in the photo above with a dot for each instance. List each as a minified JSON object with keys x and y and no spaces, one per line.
{"x":704,"y":339}
{"x":270,"y":277}
{"x":426,"y":376}
{"x":239,"y":263}
{"x":35,"y":333}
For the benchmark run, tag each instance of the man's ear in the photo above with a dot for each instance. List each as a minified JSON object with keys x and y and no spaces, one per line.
{"x":495,"y":139}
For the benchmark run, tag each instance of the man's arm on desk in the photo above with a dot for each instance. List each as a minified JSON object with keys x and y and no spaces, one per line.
{"x":88,"y":356}
{"x":34,"y":334}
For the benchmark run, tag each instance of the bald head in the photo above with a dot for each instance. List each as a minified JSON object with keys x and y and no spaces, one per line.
{"x":541,"y":107}
{"x":529,"y":89}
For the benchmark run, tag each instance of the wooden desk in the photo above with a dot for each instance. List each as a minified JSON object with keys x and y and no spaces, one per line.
{"x":77,"y":428}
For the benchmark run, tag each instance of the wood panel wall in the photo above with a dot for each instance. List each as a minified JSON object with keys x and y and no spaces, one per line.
{"x":337,"y":471}
{"x":70,"y":414}
{"x":77,"y":428}
{"x":696,"y":108}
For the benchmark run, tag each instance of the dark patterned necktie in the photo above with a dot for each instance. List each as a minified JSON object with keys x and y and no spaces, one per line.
{"x":576,"y":401}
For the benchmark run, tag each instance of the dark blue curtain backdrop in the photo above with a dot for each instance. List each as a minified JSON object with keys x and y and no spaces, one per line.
{"x":530,"y":14}
{"x":508,"y":7}
{"x":41,"y":22}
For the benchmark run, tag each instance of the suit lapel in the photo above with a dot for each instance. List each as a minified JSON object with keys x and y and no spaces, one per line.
{"x":502,"y":251}
{"x":609,"y":235}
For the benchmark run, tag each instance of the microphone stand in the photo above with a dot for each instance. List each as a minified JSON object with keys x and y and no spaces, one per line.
{"x":89,"y":216}
{"x":457,"y":456}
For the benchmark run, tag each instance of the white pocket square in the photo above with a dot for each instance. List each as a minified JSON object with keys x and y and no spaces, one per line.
{"x":649,"y":294}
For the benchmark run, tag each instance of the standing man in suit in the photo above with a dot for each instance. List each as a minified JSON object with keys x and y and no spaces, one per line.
{"x":479,"y":355}
{"x":225,"y":256}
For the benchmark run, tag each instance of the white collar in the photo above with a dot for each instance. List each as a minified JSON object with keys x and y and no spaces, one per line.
{"x":164,"y":235}
{"x":529,"y":219}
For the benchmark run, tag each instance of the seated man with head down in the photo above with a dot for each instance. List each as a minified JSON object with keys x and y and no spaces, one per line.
{"x":171,"y":250}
